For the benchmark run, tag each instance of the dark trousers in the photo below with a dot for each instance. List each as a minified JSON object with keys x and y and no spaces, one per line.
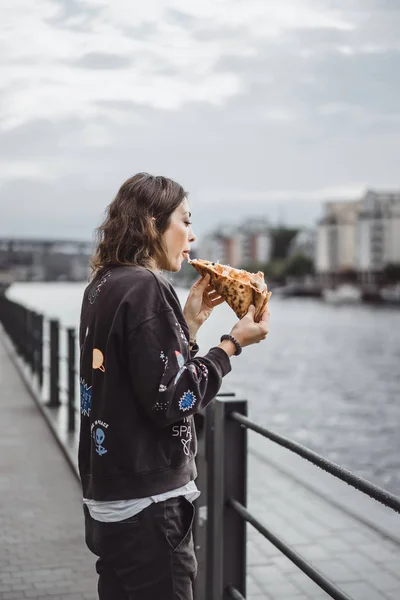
{"x":147,"y":557}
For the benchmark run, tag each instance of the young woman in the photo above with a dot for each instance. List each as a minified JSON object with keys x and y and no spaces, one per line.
{"x":141,"y":384}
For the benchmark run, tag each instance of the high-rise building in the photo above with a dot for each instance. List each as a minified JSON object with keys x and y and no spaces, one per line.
{"x":362,"y":235}
{"x":378,"y":233}
{"x":336,"y":237}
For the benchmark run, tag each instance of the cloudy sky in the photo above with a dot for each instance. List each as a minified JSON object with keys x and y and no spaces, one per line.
{"x":257,"y":107}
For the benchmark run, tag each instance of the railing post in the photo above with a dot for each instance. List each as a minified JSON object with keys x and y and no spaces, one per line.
{"x":34,"y":334}
{"x":71,"y":378}
{"x":28,"y":337}
{"x":235,"y":529}
{"x":200,"y":523}
{"x":227,"y":478}
{"x":200,"y":528}
{"x":39,"y":349}
{"x":32,"y":340}
{"x":54,"y":364}
{"x":25,"y":336}
{"x":19,"y":329}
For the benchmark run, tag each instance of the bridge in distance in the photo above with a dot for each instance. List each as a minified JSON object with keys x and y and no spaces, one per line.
{"x":25,"y":259}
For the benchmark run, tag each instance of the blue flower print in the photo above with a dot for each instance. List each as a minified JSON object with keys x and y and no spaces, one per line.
{"x":187,"y":401}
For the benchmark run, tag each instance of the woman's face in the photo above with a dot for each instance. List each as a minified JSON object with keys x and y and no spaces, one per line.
{"x":177,"y":238}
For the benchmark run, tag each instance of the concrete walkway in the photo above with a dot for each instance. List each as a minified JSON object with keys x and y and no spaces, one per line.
{"x":42,"y":547}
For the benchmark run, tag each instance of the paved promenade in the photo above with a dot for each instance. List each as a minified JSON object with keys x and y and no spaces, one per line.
{"x":42,"y":548}
{"x":363,"y":563}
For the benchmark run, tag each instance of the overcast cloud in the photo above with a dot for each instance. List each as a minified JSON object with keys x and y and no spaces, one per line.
{"x":255,"y":107}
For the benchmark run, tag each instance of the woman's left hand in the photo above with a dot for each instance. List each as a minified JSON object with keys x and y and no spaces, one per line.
{"x":200,"y":303}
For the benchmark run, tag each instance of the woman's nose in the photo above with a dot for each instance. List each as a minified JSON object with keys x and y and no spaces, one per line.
{"x":192,"y":237}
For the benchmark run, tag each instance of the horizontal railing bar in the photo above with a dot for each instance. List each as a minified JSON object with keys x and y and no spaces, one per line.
{"x":383,"y":496}
{"x":302,"y":564}
{"x":234,"y":593}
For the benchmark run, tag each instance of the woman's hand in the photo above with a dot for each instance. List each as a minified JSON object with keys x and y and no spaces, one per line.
{"x":200,"y":303}
{"x":247,"y":332}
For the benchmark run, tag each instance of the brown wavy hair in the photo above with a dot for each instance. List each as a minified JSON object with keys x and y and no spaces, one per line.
{"x":135,"y":220}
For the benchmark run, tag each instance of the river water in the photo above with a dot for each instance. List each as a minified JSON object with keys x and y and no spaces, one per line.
{"x":327,"y":376}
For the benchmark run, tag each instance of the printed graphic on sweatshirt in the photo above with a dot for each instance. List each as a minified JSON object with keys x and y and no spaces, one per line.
{"x":164,"y":358}
{"x":187,"y":401}
{"x":184,"y":431}
{"x":98,"y":360}
{"x":160,"y":405}
{"x":204,"y":371}
{"x":186,"y":443}
{"x":92,"y":296}
{"x":199,"y":372}
{"x":181,"y":364}
{"x":192,"y":368}
{"x":182,"y":333}
{"x":86,"y":398}
{"x":98,"y":434}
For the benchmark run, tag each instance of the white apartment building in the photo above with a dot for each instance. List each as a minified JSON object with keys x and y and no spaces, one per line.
{"x":336,"y":237}
{"x":362,"y":235}
{"x":378,"y":233}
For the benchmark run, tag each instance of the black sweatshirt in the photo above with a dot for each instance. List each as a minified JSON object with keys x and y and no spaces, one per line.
{"x":140,"y":387}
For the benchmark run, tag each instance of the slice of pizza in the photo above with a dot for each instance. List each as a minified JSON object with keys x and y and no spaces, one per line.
{"x":238,"y":287}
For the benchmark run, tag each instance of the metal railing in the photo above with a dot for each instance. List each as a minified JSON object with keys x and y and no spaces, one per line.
{"x":49,"y":351}
{"x":220,"y":527}
{"x":226,"y":427}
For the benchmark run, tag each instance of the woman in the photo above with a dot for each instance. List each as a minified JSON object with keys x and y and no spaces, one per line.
{"x":141,"y":384}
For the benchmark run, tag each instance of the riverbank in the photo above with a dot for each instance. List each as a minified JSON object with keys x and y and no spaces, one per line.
{"x":342,"y":293}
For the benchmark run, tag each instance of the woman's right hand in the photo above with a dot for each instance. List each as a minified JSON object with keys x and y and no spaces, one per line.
{"x":247,"y":332}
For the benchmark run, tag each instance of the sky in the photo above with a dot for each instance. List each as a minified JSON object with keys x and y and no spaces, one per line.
{"x":258,"y":108}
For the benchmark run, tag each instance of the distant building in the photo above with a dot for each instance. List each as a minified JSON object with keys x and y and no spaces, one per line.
{"x":362,"y":236}
{"x":222,"y":246}
{"x":378,"y":233}
{"x":304,"y":242}
{"x":336,"y":238}
{"x":246,"y":244}
{"x":45,"y":260}
{"x":256,"y":241}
